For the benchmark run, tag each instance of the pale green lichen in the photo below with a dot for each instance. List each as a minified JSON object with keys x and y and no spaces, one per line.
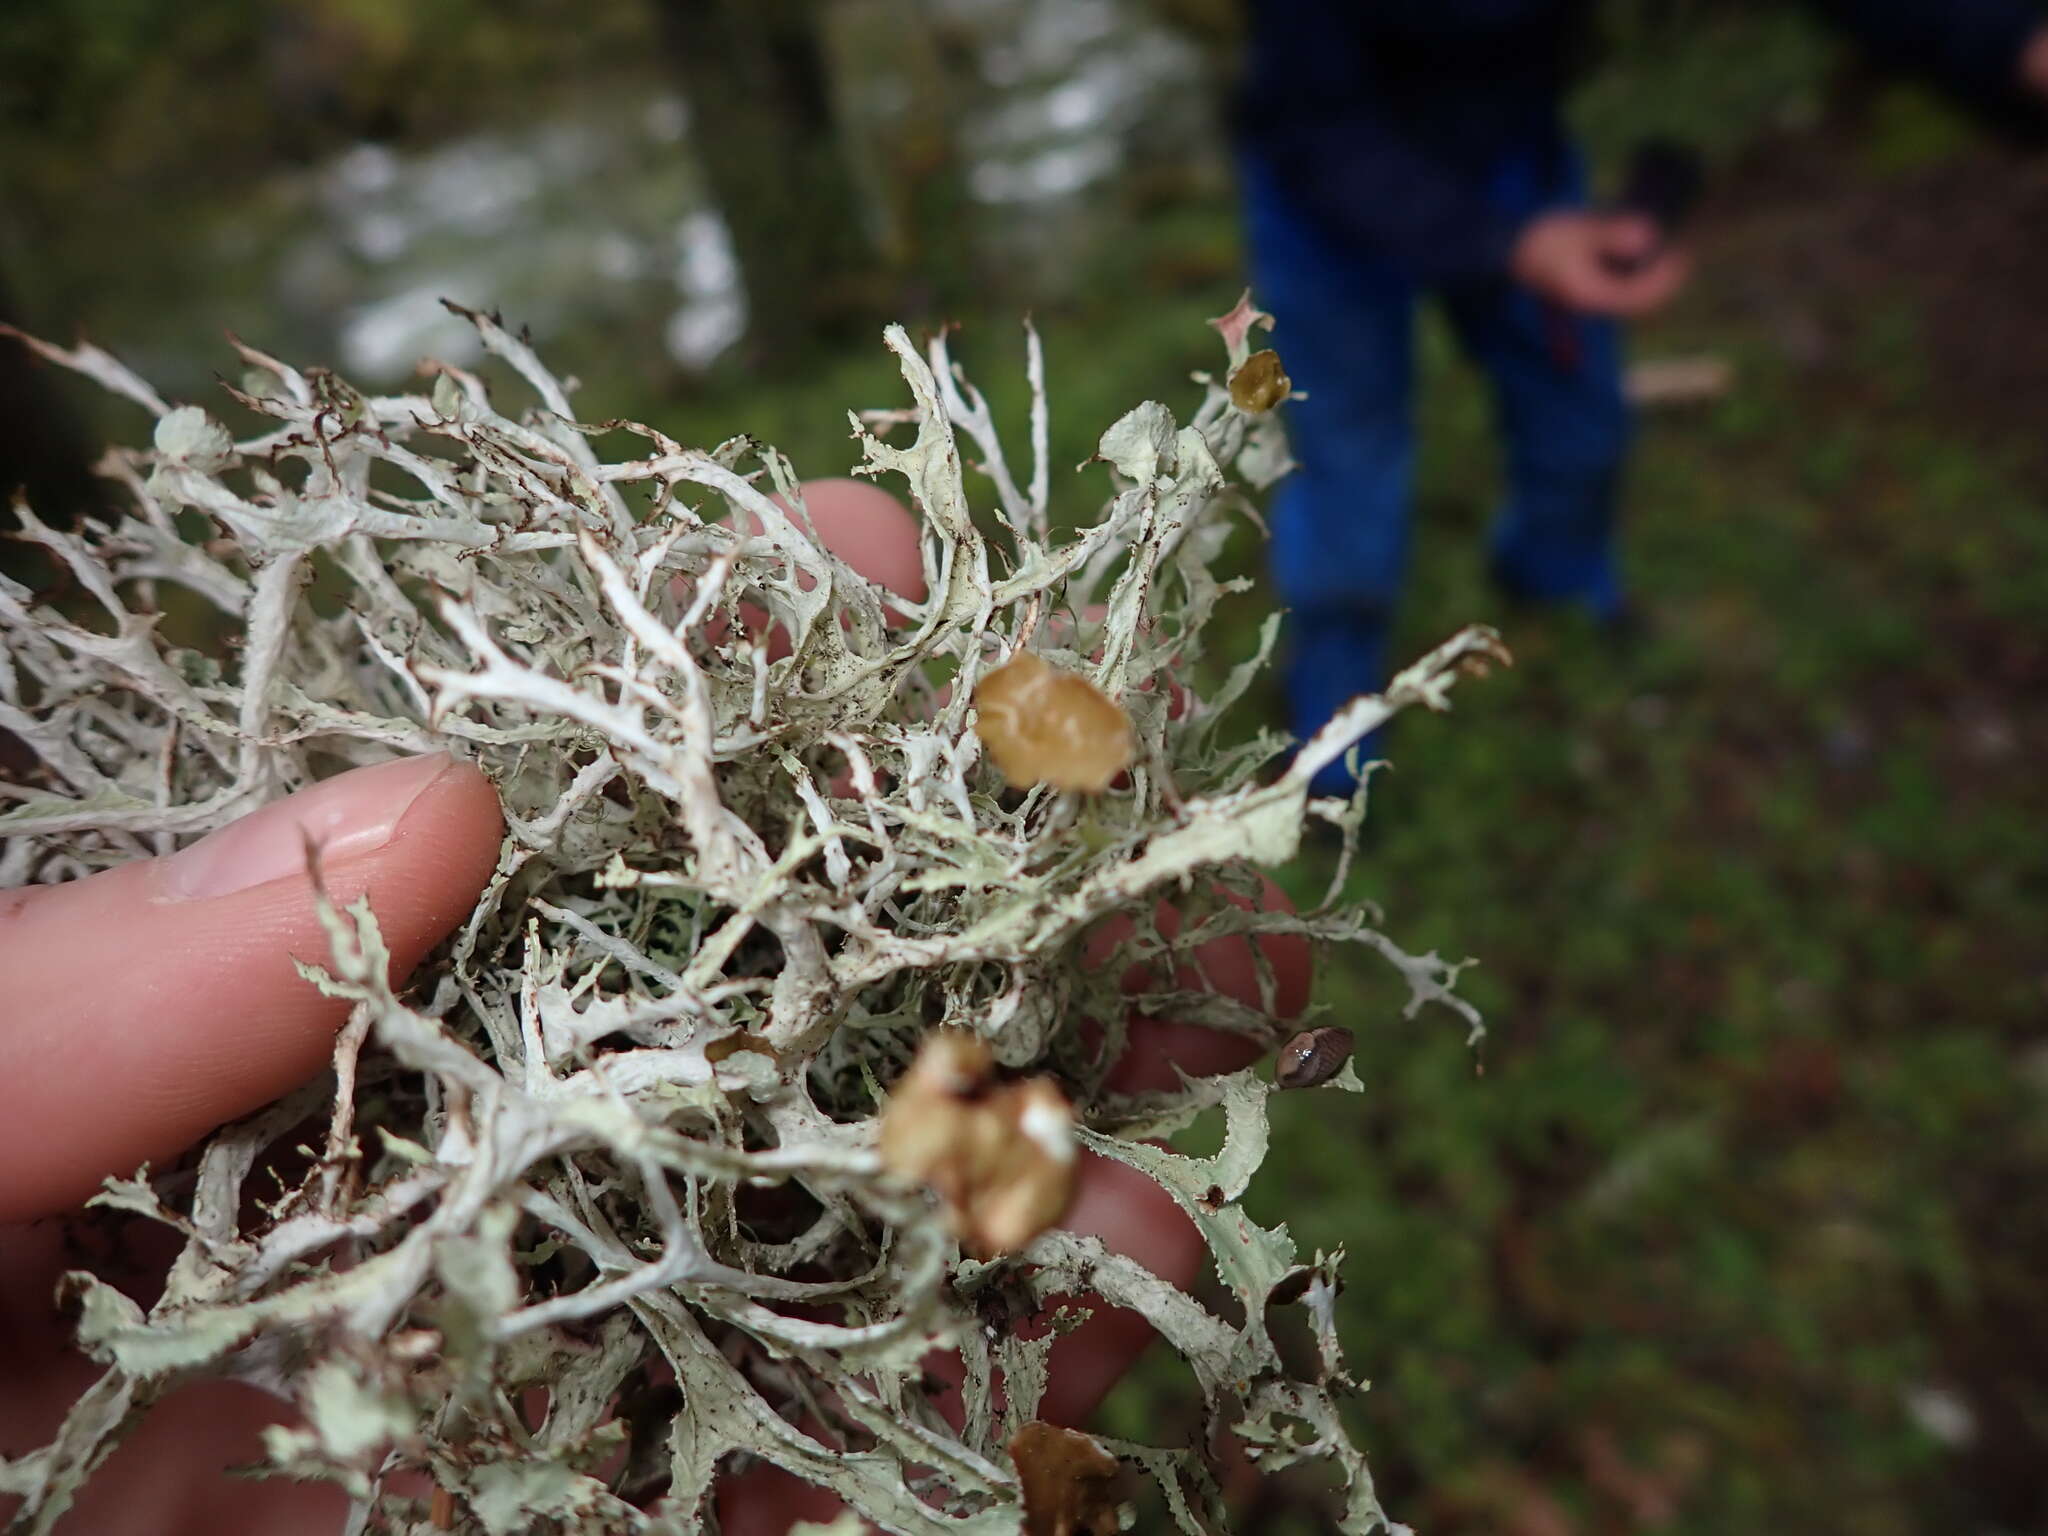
{"x":534,"y":1166}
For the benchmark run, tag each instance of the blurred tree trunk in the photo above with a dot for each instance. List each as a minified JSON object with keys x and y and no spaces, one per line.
{"x":761,"y":105}
{"x":897,"y":73}
{"x":1215,"y":27}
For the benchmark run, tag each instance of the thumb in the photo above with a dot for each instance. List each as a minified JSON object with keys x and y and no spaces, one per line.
{"x":147,"y":1004}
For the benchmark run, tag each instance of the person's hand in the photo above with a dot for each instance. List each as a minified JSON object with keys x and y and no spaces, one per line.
{"x":143,"y":1006}
{"x":1598,"y":263}
{"x":2034,"y":63}
{"x":872,"y":533}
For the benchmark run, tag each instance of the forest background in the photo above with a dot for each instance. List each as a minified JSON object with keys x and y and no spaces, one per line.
{"x":1740,"y":1227}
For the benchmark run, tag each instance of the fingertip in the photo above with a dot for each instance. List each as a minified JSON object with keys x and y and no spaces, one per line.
{"x":871,"y":531}
{"x":1232,"y":967}
{"x":1134,"y":1217}
{"x":152,"y":1002}
{"x":425,"y":881}
{"x":861,"y":525}
{"x":448,"y":841}
{"x":1632,"y":233}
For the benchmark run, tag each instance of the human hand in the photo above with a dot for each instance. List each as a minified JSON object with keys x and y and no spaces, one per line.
{"x":1598,"y":263}
{"x":2034,"y":63}
{"x":1129,"y":1213}
{"x":142,"y":1007}
{"x":873,"y":534}
{"x":147,"y":1004}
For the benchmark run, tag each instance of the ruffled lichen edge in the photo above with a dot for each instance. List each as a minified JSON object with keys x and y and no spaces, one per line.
{"x":744,"y":797}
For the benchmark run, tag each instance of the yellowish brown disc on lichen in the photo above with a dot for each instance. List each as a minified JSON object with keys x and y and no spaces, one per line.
{"x":725,"y":1046}
{"x":1045,"y":726}
{"x":1259,"y":383}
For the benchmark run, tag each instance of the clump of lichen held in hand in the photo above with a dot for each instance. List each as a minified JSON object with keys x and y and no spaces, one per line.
{"x":645,"y":1140}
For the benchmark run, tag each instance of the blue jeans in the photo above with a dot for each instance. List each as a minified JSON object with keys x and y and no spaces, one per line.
{"x":1341,"y":521}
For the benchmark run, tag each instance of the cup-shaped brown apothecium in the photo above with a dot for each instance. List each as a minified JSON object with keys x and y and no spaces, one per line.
{"x":1046,"y":726}
{"x":1000,"y":1155}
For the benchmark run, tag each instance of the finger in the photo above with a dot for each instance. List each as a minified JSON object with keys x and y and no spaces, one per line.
{"x":1629,"y":237}
{"x":1134,"y":1217}
{"x":148,"y":1004}
{"x":860,"y":524}
{"x":1641,"y":292}
{"x":1660,"y":282}
{"x":764,"y":1500}
{"x":1130,"y":1213}
{"x":173,"y":1475}
{"x":871,"y":531}
{"x":1227,"y":966}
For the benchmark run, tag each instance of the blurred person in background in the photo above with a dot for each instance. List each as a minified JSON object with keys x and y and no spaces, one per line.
{"x":1390,"y":149}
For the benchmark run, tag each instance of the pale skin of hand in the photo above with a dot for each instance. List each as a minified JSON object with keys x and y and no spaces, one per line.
{"x":1598,"y":263}
{"x":2034,"y":64}
{"x":145,"y":1005}
{"x":1566,"y":256}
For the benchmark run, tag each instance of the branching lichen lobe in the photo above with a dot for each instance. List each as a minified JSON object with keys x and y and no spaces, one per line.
{"x":620,"y":1145}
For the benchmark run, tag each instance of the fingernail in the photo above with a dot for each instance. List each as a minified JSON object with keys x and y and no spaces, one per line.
{"x":350,"y":814}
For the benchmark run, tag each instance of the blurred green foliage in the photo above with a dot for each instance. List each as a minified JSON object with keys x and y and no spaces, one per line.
{"x":88,"y":92}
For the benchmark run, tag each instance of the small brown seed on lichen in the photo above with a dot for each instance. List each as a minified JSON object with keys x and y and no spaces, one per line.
{"x":1313,"y":1056}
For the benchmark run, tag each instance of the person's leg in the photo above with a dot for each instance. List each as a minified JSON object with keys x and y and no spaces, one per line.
{"x":1340,"y":521}
{"x":1557,"y":379}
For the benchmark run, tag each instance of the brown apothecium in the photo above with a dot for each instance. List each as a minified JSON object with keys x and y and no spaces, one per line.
{"x":1000,"y":1155}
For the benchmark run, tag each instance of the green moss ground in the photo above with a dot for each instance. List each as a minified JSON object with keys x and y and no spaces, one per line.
{"x":1760,"y":905}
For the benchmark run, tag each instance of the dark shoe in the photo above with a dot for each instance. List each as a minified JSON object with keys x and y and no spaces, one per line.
{"x":1624,"y":628}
